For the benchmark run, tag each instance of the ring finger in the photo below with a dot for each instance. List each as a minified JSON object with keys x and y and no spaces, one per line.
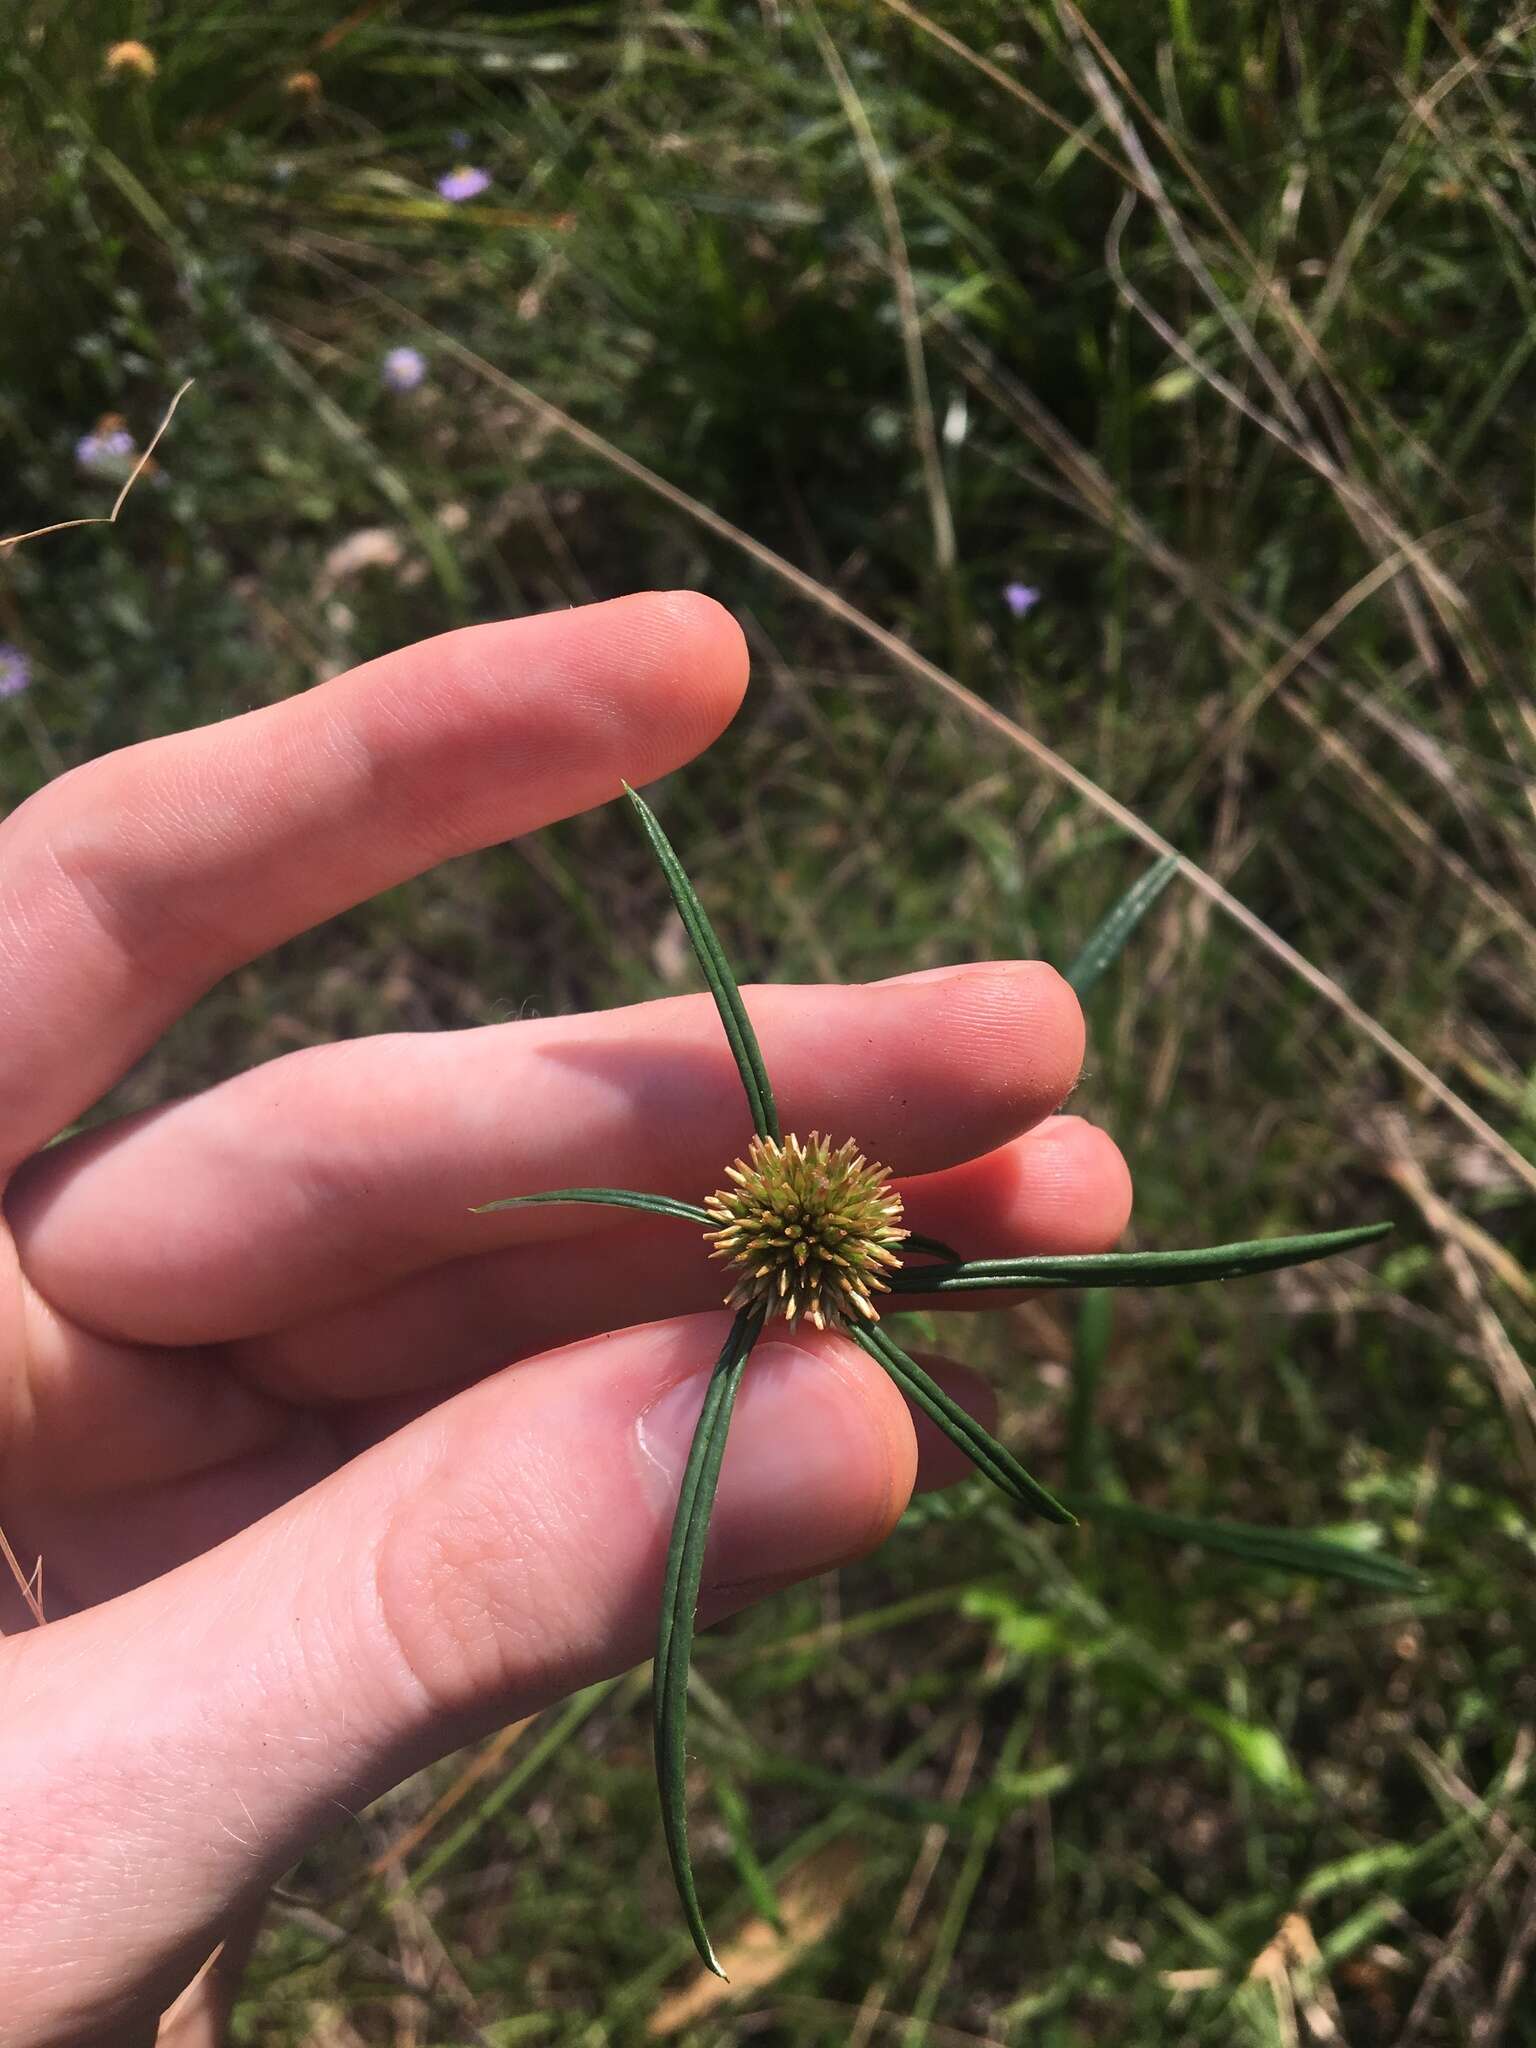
{"x":1062,"y":1188}
{"x":323,"y":1177}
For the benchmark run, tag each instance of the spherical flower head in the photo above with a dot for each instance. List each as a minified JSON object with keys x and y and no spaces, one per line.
{"x":1020,"y":598}
{"x":464,"y":182}
{"x":403,"y":369}
{"x":131,"y":60}
{"x":107,"y":448}
{"x":808,"y":1230}
{"x":302,"y":85}
{"x":15,"y":670}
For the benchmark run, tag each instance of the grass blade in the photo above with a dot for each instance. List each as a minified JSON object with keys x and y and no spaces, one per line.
{"x":1108,"y":937}
{"x":679,"y":1599}
{"x":758,"y":1884}
{"x":1283,"y":1549}
{"x":717,"y":972}
{"x":533,"y":1758}
{"x":1095,"y":1319}
{"x":989,"y":1457}
{"x":1136,"y":1269}
{"x":608,"y":1198}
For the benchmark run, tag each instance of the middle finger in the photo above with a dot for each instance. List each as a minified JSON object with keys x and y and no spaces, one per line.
{"x":321,"y":1177}
{"x":1062,"y":1188}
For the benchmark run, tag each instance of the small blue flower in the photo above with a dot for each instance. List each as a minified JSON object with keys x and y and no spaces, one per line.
{"x":464,"y":182}
{"x":1020,"y":598}
{"x":15,"y":670}
{"x":459,"y":137}
{"x":105,"y":450}
{"x":403,"y":369}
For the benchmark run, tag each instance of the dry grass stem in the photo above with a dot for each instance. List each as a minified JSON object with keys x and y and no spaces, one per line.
{"x":924,"y":431}
{"x":480,"y":1765}
{"x":1074,"y":131}
{"x":984,"y":714}
{"x":14,"y":540}
{"x":1510,"y":1375}
{"x":872,"y":2012}
{"x":28,"y":1584}
{"x":1095,"y":492}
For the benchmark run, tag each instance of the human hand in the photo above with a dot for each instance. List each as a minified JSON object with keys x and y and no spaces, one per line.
{"x":328,"y":1474}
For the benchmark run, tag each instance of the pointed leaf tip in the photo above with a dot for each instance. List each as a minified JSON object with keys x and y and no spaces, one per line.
{"x":992,"y":1459}
{"x":679,"y":1601}
{"x":1108,"y":938}
{"x":608,"y":1198}
{"x":711,"y":957}
{"x":1136,"y":1269}
{"x":1300,"y":1551}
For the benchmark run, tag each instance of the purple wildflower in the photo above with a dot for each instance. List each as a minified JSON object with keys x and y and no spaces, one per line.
{"x":105,"y":451}
{"x":15,"y":670}
{"x":464,"y":182}
{"x":403,"y":369}
{"x":1020,"y":598}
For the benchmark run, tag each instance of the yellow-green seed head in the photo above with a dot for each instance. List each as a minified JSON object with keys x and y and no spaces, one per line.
{"x":808,"y":1230}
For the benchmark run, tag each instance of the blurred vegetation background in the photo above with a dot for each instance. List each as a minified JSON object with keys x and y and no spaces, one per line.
{"x":1164,"y":375}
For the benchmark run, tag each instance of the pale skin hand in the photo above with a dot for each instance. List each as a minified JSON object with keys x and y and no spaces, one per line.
{"x":317,"y":1498}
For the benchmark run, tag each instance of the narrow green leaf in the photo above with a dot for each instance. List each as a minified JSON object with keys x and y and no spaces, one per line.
{"x":1010,"y":1790}
{"x":1257,"y":1749}
{"x":1021,"y":1630}
{"x":876,"y":1794}
{"x":1095,"y":1318}
{"x":1356,"y":1929}
{"x":1367,"y":1867}
{"x":717,"y":972}
{"x":984,"y":1451}
{"x":759,"y":1886}
{"x":1135,"y":1269}
{"x":679,"y":1600}
{"x":1287,"y":1550}
{"x":1108,"y":937}
{"x":609,"y":1198}
{"x":933,"y":1247}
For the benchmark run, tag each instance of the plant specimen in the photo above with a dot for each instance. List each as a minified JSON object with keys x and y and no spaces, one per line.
{"x":806,"y":1227}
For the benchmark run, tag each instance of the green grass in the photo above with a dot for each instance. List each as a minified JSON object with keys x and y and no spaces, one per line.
{"x":1086,"y":1777}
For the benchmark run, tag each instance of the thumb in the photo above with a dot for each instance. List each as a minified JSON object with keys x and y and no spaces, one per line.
{"x":166,"y":1755}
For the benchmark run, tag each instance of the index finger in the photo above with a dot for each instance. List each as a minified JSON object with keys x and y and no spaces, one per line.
{"x":130,"y":885}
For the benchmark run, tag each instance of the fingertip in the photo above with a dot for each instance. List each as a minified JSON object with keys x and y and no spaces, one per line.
{"x":1064,"y":1187}
{"x":1088,"y":1173}
{"x":506,"y":726}
{"x":716,"y":631}
{"x":1019,"y":1030}
{"x":821,"y":1462}
{"x":694,"y":657}
{"x":1052,"y":1033}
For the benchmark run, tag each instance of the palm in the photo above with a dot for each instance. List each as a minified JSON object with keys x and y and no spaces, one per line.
{"x":142,"y":1457}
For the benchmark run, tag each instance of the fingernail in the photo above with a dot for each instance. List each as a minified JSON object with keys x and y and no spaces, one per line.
{"x":806,"y":1467}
